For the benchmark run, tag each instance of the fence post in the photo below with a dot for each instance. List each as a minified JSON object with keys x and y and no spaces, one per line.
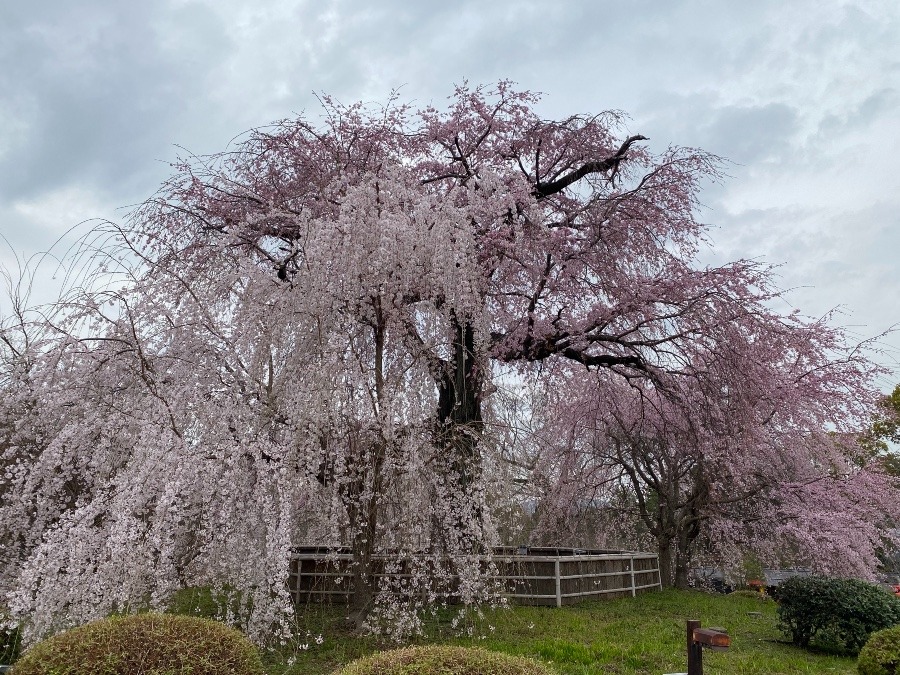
{"x":633,"y":589}
{"x":694,"y":650}
{"x":558,"y":583}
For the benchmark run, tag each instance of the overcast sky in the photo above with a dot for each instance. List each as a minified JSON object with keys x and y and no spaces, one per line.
{"x":802,"y":96}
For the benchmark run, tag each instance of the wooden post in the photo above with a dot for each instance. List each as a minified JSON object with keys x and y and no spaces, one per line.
{"x":558,"y":583}
{"x":697,"y":639}
{"x":694,"y":650}
{"x":633,"y":589}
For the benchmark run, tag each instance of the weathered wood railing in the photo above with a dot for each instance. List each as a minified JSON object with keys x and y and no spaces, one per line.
{"x":533,"y":576}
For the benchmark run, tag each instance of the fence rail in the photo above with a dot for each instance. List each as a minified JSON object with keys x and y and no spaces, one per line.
{"x":534,"y":576}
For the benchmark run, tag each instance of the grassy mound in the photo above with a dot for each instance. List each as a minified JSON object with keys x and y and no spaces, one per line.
{"x":144,"y":644}
{"x":444,"y":660}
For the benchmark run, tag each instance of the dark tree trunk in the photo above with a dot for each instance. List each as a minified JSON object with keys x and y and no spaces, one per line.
{"x":681,"y":572}
{"x":363,"y":585}
{"x":459,"y":392}
{"x":666,"y":562}
{"x":363,"y":503}
{"x":675,"y":535}
{"x":363,"y":521}
{"x":459,"y":428}
{"x":688,"y":531}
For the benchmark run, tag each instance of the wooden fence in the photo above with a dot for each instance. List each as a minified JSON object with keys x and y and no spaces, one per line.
{"x":530,"y":576}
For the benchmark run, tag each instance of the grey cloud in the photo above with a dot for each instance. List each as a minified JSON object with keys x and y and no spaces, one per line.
{"x":95,"y":92}
{"x":881,"y":103}
{"x":743,"y":134}
{"x":103,"y":90}
{"x":830,"y":259}
{"x":751,"y":133}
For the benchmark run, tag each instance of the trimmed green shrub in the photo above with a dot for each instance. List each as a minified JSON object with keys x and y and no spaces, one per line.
{"x":443,"y":659}
{"x":149,"y":644}
{"x":881,"y":654}
{"x":845,"y":611}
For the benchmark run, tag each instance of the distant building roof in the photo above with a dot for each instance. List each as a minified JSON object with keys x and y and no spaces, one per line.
{"x":775,"y":577}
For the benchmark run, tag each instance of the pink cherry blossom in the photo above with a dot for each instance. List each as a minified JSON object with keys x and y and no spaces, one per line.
{"x":316,"y":337}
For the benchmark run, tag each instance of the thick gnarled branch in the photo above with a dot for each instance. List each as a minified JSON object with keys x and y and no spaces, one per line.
{"x":611,"y":163}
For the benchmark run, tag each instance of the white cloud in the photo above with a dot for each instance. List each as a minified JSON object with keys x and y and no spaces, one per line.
{"x":57,"y":211}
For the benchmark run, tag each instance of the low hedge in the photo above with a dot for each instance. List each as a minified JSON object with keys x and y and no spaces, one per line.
{"x":445,"y":660}
{"x":145,"y":644}
{"x":844,"y":611}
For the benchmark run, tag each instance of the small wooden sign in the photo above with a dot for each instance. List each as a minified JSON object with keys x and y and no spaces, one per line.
{"x":697,"y":639}
{"x":712,"y":637}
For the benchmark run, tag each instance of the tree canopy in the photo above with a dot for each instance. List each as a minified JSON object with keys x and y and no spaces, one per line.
{"x":307,"y":339}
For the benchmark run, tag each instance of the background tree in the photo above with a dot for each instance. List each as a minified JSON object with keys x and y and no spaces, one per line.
{"x":774,"y":485}
{"x":882,"y":439}
{"x":879,"y":446}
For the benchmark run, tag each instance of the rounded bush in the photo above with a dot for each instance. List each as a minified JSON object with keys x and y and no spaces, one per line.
{"x":443,"y":659}
{"x":145,"y":644}
{"x":845,"y":610}
{"x":881,"y":655}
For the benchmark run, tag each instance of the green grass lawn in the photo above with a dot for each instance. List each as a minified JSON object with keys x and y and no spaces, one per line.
{"x":641,"y":635}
